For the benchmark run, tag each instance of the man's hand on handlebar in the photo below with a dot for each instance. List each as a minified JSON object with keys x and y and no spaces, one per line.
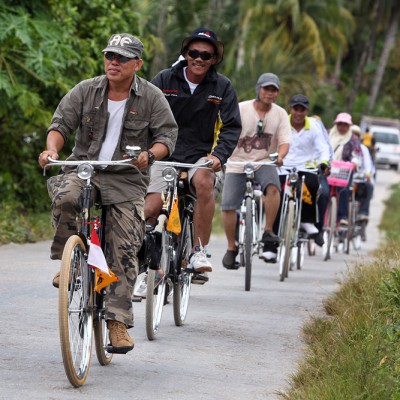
{"x":216,"y":163}
{"x":44,"y":157}
{"x":140,"y":161}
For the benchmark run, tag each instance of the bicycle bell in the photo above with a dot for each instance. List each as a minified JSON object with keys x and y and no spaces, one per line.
{"x":85,"y":171}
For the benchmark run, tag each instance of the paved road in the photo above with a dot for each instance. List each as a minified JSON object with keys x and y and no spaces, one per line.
{"x":235,"y":345}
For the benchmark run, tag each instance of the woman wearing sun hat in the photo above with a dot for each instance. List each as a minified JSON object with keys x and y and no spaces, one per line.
{"x":346,"y":147}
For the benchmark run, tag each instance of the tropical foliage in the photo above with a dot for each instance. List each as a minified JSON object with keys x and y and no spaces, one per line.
{"x":344,"y":55}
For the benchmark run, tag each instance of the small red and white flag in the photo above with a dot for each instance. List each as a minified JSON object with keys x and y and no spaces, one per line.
{"x":96,"y":259}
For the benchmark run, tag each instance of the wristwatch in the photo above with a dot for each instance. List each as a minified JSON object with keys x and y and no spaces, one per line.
{"x":151,"y":157}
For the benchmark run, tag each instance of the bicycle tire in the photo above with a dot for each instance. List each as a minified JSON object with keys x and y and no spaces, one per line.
{"x":350,"y":228}
{"x":329,"y":227}
{"x":183,"y":279}
{"x":284,"y":248}
{"x":75,"y":318}
{"x":156,"y":287}
{"x":101,"y":338}
{"x":300,"y":255}
{"x":248,"y":243}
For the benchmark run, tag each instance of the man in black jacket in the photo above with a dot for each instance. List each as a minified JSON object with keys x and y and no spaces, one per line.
{"x":206,"y":110}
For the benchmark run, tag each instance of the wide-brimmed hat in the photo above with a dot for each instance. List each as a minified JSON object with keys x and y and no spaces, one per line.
{"x":125,"y":44}
{"x":344,"y":118}
{"x":207,"y":35}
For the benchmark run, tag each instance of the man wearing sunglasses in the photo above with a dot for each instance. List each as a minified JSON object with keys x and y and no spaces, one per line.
{"x":266,"y":130}
{"x":205,"y":107}
{"x":108,"y":113}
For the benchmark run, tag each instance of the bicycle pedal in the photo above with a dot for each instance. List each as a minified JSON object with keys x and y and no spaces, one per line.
{"x":136,"y":299}
{"x":118,"y":350}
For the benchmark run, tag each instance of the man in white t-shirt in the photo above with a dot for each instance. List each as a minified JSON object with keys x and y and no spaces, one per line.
{"x":265,"y":130}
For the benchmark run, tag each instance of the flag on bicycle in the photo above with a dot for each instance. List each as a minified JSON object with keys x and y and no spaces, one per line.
{"x":174,"y":221}
{"x":97,"y":260}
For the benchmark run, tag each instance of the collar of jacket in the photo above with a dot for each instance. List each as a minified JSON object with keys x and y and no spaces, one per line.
{"x":178,"y":71}
{"x":307,"y":125}
{"x":136,"y":85}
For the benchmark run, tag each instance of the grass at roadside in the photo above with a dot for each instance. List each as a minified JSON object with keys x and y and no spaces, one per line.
{"x":23,"y":227}
{"x":352,"y":351}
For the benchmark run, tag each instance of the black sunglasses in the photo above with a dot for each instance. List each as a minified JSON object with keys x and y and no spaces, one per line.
{"x":115,"y":56}
{"x":204,"y":55}
{"x":260,"y":128}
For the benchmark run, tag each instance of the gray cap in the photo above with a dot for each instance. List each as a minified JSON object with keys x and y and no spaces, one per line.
{"x":268,"y":79}
{"x":125,"y":44}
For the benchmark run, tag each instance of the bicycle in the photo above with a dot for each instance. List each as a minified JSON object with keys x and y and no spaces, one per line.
{"x":356,"y":227}
{"x":167,"y":267}
{"x":291,"y":251}
{"x":80,"y":306}
{"x":339,"y":178}
{"x":251,"y":217}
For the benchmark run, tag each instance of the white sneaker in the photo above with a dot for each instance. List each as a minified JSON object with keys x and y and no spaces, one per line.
{"x":310,"y":228}
{"x":198,"y":261}
{"x":140,"y":289}
{"x":269,"y":256}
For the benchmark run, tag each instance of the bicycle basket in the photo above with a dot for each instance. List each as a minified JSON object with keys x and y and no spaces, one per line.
{"x":340,"y":173}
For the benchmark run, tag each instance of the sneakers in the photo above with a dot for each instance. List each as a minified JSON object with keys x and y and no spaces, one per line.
{"x":270,"y":252}
{"x":343,"y":222}
{"x":229,"y":260}
{"x":309,"y":228}
{"x":121,"y":342}
{"x":270,"y":237}
{"x":198,"y":261}
{"x":140,"y":289}
{"x":363,"y":218}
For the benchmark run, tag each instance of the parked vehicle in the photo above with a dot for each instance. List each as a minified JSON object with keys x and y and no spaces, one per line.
{"x":386,"y":133}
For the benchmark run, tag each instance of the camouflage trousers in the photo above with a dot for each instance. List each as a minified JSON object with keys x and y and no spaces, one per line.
{"x":124,"y":236}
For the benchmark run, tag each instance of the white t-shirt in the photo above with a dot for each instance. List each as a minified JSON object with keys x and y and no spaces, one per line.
{"x":116,"y":110}
{"x":250,"y":147}
{"x":192,"y":85}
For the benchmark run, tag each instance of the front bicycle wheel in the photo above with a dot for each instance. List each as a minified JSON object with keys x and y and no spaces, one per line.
{"x":156,"y":288}
{"x":101,"y":337}
{"x":350,"y":228}
{"x":183,"y":280}
{"x":248,"y":243}
{"x":75,"y":311}
{"x":284,"y":248}
{"x":329,"y":229}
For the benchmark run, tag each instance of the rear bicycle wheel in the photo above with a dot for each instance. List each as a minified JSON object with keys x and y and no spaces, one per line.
{"x":329,"y":229}
{"x":75,"y":315}
{"x":101,"y":338}
{"x":183,"y":280}
{"x":248,"y":243}
{"x":156,"y":288}
{"x":284,"y":248}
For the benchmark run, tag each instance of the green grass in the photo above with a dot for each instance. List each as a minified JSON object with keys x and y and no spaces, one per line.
{"x":21,"y":227}
{"x":352,"y":351}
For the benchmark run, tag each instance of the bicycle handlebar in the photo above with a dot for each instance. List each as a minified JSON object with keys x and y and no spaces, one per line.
{"x":176,"y":164}
{"x":251,"y":163}
{"x":297,"y":169}
{"x":53,"y":162}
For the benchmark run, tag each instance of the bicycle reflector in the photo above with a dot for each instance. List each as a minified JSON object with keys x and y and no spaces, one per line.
{"x":85,"y":171}
{"x":169,"y":174}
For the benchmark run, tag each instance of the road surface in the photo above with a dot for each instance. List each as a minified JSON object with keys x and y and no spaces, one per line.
{"x":235,"y":344}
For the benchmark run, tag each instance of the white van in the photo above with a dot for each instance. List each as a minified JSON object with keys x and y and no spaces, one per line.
{"x":387,"y":145}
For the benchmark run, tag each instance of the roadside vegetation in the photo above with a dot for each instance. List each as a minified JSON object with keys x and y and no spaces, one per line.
{"x":352,"y":352}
